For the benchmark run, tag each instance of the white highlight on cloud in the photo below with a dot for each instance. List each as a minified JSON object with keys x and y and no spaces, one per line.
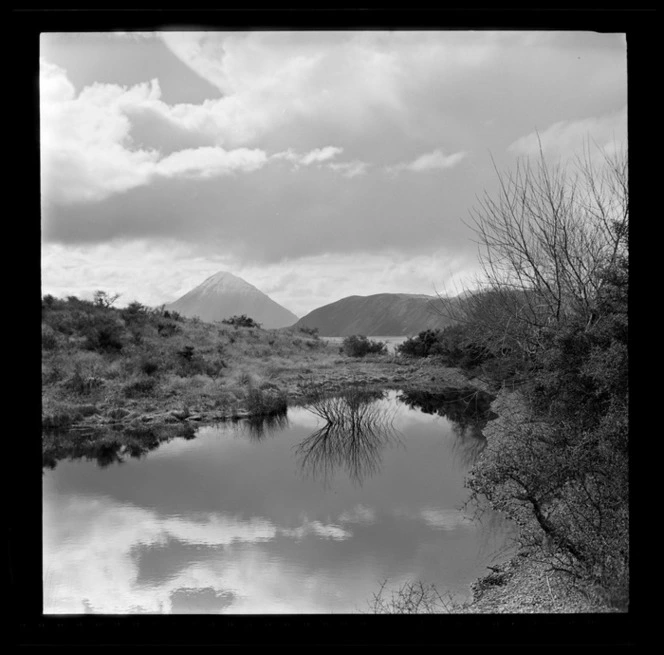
{"x":435,"y":160}
{"x":316,"y":156}
{"x":270,"y":79}
{"x":84,"y":153}
{"x":321,"y":154}
{"x":210,"y":161}
{"x":350,"y":169}
{"x":567,"y":138}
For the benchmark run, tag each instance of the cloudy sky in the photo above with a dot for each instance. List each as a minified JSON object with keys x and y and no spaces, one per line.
{"x":314,"y":165}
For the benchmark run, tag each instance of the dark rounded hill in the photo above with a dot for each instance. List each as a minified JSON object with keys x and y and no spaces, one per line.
{"x":381,"y":314}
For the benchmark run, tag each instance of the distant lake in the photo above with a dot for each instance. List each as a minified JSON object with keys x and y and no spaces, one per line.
{"x":392,"y":342}
{"x":296,"y":516}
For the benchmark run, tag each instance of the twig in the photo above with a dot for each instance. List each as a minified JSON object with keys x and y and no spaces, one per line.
{"x":553,"y":598}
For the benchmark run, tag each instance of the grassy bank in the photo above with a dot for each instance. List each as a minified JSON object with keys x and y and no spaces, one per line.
{"x":136,"y":366}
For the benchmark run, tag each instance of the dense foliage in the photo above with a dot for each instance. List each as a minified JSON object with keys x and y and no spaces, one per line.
{"x":453,"y":344}
{"x":552,"y":323}
{"x":241,"y":321}
{"x":358,"y":345}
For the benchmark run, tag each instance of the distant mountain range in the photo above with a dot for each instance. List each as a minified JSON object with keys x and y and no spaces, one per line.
{"x":224,"y":295}
{"x":382,"y":314}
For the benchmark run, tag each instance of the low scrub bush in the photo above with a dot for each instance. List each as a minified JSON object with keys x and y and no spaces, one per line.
{"x":167,"y":328}
{"x":140,"y":386}
{"x":148,"y":365}
{"x":359,"y":346}
{"x":82,"y":384}
{"x":241,"y":321}
{"x":424,"y":344}
{"x":454,"y":345}
{"x":311,"y":331}
{"x":104,"y":334}
{"x":50,"y":339}
{"x":265,"y":402}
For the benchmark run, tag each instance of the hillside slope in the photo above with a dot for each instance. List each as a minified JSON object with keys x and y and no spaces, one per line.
{"x":382,"y":314}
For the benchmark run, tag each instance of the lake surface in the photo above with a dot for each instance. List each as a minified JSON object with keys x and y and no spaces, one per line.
{"x":293,"y":517}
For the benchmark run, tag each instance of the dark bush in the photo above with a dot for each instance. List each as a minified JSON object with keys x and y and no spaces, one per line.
{"x":187,"y":353}
{"x":104,"y":333}
{"x":148,"y":366}
{"x":135,"y":312}
{"x":83,"y":384}
{"x":358,"y":345}
{"x":167,"y":328}
{"x":311,"y":331}
{"x":139,"y":387}
{"x":49,"y":338}
{"x":265,"y":402}
{"x":420,"y":345}
{"x":241,"y":321}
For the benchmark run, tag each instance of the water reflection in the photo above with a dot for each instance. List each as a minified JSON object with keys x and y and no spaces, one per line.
{"x":226,"y":522}
{"x":257,"y":428}
{"x":465,"y":407}
{"x":109,"y":445}
{"x":468,"y":411}
{"x":357,"y":429}
{"x":114,"y":445}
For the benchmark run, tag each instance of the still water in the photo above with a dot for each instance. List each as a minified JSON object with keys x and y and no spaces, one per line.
{"x":301,"y":516}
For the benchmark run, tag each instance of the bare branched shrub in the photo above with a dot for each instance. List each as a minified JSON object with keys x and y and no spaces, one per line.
{"x":545,"y":242}
{"x":410,"y":598}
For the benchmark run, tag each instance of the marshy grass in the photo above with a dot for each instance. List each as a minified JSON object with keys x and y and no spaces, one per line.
{"x":261,"y":402}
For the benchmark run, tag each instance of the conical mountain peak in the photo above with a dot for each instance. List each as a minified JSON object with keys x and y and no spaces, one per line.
{"x":223,"y":295}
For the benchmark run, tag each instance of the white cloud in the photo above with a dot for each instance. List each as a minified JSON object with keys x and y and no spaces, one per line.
{"x":207,"y":162}
{"x":316,"y":156}
{"x":567,"y":138}
{"x":87,"y":150}
{"x":84,"y":153}
{"x":270,"y":79}
{"x":350,"y":169}
{"x":320,"y":155}
{"x":54,"y":86}
{"x":376,"y":95}
{"x":435,"y":160}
